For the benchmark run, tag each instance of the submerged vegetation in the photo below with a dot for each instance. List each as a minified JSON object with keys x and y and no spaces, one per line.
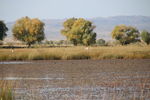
{"x":79,"y":52}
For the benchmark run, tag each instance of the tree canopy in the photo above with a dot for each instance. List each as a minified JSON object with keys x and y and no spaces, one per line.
{"x":29,"y":30}
{"x":79,"y":31}
{"x":100,"y":42}
{"x":3,"y":30}
{"x":145,"y":36}
{"x":125,"y":34}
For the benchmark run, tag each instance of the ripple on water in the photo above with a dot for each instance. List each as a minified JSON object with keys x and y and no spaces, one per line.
{"x":31,"y":78}
{"x":14,"y":62}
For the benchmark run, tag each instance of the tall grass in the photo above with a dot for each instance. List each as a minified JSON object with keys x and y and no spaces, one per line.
{"x":68,"y":53}
{"x":5,"y":91}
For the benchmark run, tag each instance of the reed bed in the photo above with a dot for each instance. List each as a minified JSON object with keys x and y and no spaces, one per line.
{"x":79,"y":52}
{"x":6,"y":92}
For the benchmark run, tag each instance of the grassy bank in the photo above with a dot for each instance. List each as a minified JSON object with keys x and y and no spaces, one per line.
{"x":117,"y":52}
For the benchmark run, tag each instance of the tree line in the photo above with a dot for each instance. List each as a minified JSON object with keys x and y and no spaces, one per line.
{"x":76,"y":30}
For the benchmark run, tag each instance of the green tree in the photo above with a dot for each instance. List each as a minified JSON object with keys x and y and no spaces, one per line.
{"x":79,"y":31}
{"x":100,"y":42}
{"x":3,"y":30}
{"x":29,"y":30}
{"x":145,"y":36}
{"x":125,"y":34}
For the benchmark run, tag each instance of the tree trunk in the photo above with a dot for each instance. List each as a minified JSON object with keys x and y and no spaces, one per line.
{"x":29,"y":45}
{"x":75,"y":43}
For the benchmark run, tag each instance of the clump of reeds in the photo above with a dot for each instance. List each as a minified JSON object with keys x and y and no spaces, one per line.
{"x":6,"y":92}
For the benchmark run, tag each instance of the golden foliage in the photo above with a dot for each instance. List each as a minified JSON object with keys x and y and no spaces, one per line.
{"x":28,"y":30}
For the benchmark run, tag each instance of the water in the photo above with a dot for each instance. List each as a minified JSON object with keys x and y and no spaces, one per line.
{"x":15,"y":62}
{"x":31,"y":78}
{"x":77,"y":80}
{"x":62,"y":88}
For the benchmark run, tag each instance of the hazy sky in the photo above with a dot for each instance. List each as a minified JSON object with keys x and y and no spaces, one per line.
{"x":11,"y":10}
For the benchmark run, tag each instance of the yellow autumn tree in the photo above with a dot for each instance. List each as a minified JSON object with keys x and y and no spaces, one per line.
{"x":125,"y":34}
{"x":79,"y":31}
{"x":29,"y":30}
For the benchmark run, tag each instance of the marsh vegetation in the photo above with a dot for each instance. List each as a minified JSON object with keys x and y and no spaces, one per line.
{"x":80,"y":52}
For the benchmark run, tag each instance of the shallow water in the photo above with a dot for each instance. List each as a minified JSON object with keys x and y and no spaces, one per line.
{"x":14,"y":62}
{"x":31,"y":78}
{"x":78,"y":80}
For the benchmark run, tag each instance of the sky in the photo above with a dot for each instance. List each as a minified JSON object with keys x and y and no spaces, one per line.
{"x":11,"y":10}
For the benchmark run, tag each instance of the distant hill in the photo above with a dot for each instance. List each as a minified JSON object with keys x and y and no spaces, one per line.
{"x":104,"y":25}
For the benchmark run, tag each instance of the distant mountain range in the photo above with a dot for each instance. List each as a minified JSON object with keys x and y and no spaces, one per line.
{"x":104,"y":26}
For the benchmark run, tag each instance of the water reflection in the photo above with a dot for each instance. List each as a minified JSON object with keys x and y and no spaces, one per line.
{"x":14,"y":62}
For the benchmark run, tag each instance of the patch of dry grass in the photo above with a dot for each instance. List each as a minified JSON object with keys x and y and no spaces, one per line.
{"x":80,"y":52}
{"x":5,"y":91}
